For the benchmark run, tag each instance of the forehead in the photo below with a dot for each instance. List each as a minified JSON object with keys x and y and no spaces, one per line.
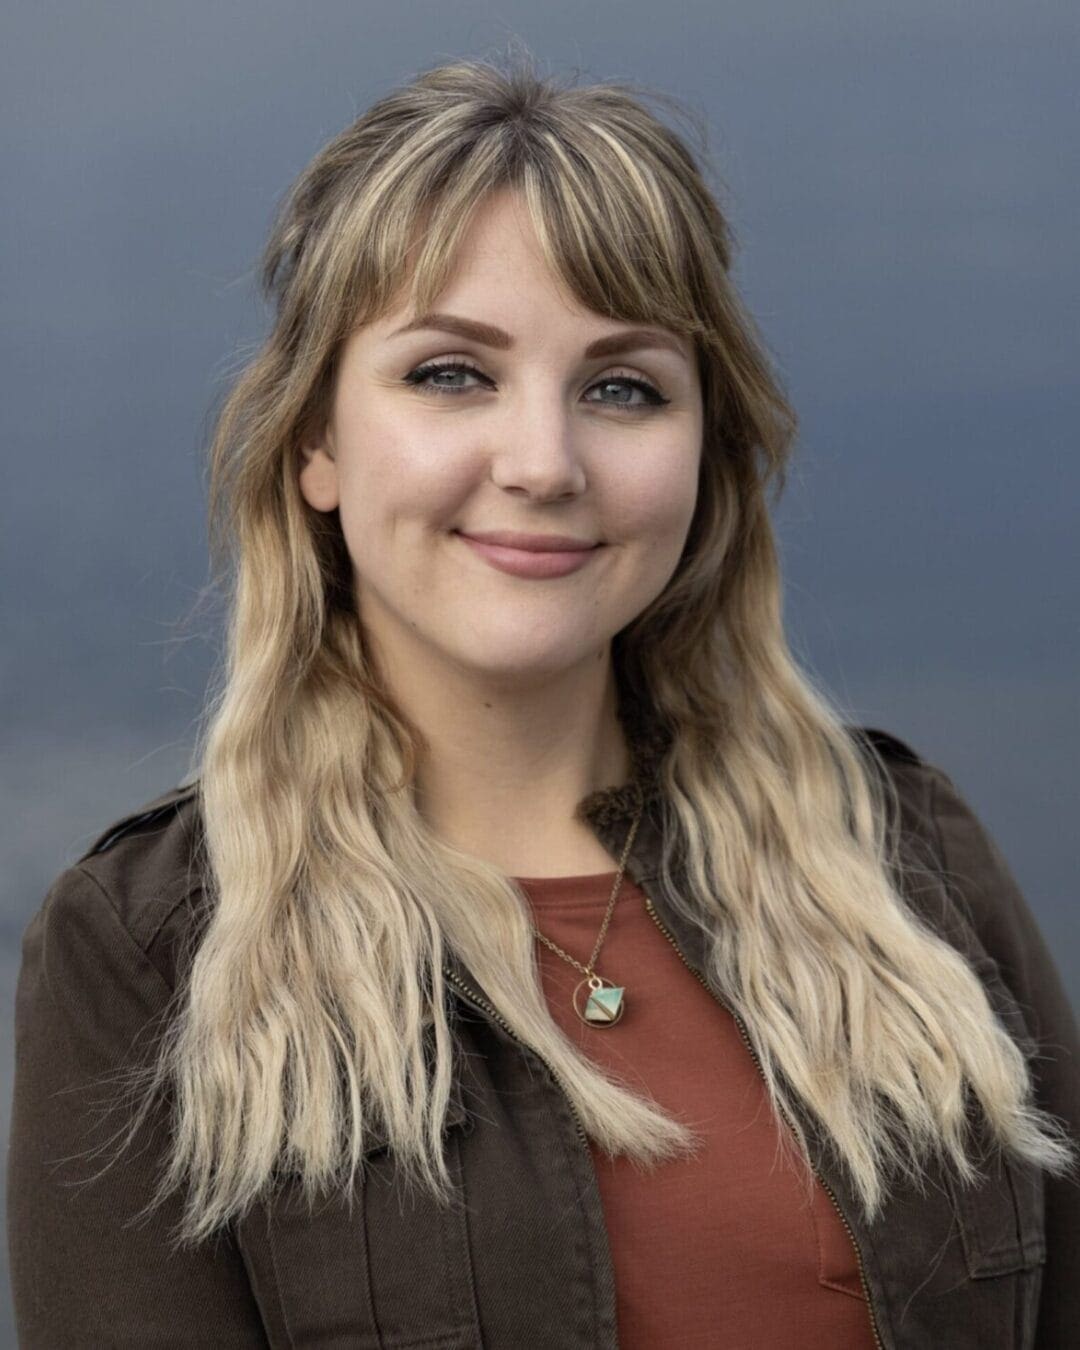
{"x":495,"y":270}
{"x":494,"y":284}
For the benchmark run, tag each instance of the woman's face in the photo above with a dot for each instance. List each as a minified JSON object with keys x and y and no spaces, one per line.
{"x":537,"y":436}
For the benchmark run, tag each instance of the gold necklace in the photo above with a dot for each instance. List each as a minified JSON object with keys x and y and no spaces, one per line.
{"x":605,"y":1005}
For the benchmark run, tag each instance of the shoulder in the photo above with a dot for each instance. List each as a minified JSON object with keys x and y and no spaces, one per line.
{"x":929,"y":803}
{"x":887,"y":745}
{"x":947,"y":855}
{"x":100,"y":954}
{"x":132,"y":885}
{"x":955,"y":873}
{"x":909,"y":781}
{"x":911,"y":775}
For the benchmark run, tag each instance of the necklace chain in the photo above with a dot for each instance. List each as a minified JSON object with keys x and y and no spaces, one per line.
{"x":589,"y":969}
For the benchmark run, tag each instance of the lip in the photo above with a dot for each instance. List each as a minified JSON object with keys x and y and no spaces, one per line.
{"x":530,"y":562}
{"x":531,"y":543}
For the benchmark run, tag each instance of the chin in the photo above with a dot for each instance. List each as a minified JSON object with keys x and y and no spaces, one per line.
{"x":522,"y":663}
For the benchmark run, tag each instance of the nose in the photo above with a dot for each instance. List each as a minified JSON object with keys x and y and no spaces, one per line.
{"x":539,"y":451}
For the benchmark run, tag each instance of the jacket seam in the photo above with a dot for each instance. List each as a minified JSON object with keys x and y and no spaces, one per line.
{"x":570,"y":1161}
{"x":956,"y":902}
{"x":155,"y":932}
{"x":123,"y":928}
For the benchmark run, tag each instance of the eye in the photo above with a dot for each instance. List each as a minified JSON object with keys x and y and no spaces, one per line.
{"x":419,"y":378}
{"x":632,"y":383}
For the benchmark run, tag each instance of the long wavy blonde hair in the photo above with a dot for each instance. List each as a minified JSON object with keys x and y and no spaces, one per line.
{"x":314,"y":1011}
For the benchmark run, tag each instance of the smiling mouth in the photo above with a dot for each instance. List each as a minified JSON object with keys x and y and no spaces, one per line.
{"x":531,"y":543}
{"x":540,"y":564}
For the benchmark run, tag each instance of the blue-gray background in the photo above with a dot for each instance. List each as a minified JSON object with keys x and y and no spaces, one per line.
{"x":904,"y":183}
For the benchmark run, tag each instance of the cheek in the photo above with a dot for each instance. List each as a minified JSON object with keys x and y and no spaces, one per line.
{"x":656,"y":501}
{"x":397,"y":499}
{"x":393,"y":477}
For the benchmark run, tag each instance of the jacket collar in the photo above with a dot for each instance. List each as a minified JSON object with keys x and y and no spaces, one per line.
{"x":610,"y":810}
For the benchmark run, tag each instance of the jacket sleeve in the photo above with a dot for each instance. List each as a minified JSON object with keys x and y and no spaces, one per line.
{"x":82,"y":1273}
{"x":979,"y":877}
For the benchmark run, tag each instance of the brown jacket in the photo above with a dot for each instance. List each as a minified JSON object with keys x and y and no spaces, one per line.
{"x":524,"y":1264}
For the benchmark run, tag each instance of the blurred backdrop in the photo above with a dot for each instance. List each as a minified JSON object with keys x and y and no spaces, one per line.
{"x":904,"y":185}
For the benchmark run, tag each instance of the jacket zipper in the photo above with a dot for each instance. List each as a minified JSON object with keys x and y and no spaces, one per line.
{"x":482,"y":1002}
{"x":476,"y":997}
{"x":754,"y":1055}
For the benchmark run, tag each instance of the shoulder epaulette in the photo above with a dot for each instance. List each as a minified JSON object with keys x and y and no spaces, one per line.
{"x":887,"y":745}
{"x":151,"y":810}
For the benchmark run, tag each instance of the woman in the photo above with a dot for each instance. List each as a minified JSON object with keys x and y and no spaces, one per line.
{"x":536,"y":959}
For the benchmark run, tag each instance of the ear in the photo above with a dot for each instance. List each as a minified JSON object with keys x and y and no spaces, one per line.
{"x":319,"y":478}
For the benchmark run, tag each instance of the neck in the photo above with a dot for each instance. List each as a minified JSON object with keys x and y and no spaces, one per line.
{"x":502,"y":773}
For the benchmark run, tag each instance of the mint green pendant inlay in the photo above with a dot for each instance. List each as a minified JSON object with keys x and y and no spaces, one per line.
{"x":605,"y":1004}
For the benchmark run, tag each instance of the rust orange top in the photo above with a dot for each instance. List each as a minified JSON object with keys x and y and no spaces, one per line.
{"x":720,"y":1249}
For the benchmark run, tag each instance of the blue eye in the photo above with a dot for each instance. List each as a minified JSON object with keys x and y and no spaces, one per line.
{"x":419,"y":378}
{"x":653,"y":397}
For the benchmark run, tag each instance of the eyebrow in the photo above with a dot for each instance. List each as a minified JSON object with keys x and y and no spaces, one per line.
{"x":632,"y":339}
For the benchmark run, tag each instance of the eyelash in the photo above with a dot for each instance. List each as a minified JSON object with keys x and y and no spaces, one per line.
{"x":419,"y":375}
